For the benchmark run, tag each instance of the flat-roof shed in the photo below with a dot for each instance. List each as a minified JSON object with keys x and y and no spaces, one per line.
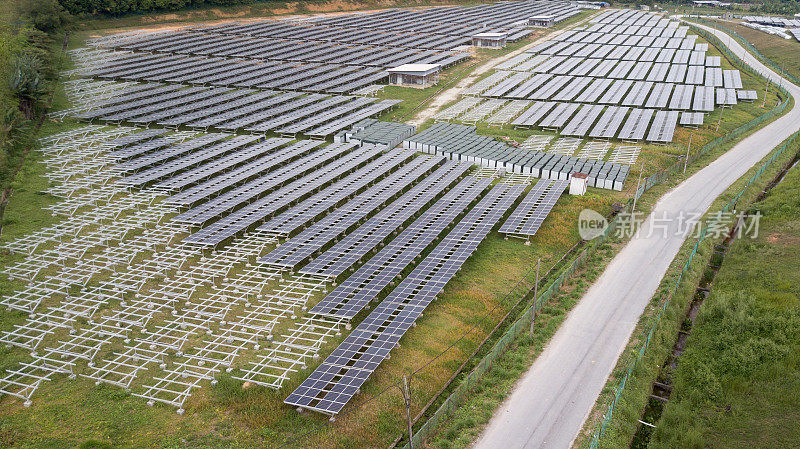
{"x":544,"y":20}
{"x":415,"y":74}
{"x":490,"y":40}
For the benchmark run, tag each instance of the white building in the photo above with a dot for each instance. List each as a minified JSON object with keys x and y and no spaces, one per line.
{"x":490,"y":40}
{"x":419,"y":75}
{"x":541,"y":21}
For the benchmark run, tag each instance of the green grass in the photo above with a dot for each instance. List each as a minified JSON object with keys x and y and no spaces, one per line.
{"x":467,"y":422}
{"x":737,"y":385}
{"x":226,"y":414}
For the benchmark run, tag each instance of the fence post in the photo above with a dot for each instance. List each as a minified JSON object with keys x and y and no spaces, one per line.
{"x":535,"y":295}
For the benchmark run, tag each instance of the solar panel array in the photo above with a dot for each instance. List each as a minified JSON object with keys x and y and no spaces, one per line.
{"x":356,"y":245}
{"x":369,"y":197}
{"x":171,"y":219}
{"x":462,"y":143}
{"x":336,"y":55}
{"x":301,"y":247}
{"x":256,"y":211}
{"x":773,"y":21}
{"x":528,"y":217}
{"x":245,"y":110}
{"x":340,"y":376}
{"x":350,"y":297}
{"x":596,"y":80}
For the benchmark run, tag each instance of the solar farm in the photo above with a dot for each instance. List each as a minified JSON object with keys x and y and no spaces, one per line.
{"x":231,"y":206}
{"x":630,"y":76}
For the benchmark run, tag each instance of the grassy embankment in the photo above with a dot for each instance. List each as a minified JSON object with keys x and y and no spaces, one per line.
{"x":490,"y":392}
{"x":637,"y":390}
{"x":783,"y":52}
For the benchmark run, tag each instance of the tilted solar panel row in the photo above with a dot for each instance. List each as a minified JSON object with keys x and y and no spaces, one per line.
{"x":528,"y":217}
{"x":224,"y":203}
{"x":288,"y":164}
{"x":257,"y":211}
{"x":358,"y":243}
{"x":363,"y":286}
{"x":299,"y":248}
{"x":339,"y":377}
{"x":327,"y":199}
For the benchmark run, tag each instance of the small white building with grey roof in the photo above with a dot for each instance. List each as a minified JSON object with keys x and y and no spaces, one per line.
{"x":417,"y":75}
{"x":490,"y":40}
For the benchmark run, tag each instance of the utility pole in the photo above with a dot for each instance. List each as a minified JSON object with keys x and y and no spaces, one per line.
{"x":721,"y":111}
{"x":636,"y":193}
{"x":535,"y":295}
{"x":686,"y":160}
{"x":407,"y":399}
{"x":766,"y":91}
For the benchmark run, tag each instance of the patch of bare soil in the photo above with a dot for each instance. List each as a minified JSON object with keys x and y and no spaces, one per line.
{"x":782,"y":239}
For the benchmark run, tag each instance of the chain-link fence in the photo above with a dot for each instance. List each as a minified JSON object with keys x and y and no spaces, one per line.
{"x":524,"y":288}
{"x":659,"y":177}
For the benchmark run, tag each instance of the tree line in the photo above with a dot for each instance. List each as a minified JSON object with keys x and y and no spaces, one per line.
{"x":117,"y":7}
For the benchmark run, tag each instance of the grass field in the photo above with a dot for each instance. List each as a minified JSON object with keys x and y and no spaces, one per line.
{"x":737,"y":385}
{"x":71,"y":413}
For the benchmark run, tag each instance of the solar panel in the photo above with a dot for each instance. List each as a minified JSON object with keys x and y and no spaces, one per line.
{"x":636,"y":125}
{"x":582,"y":121}
{"x":659,"y":97}
{"x":559,"y":116}
{"x":726,"y":97}
{"x":528,"y":217}
{"x":292,"y":161}
{"x":747,"y":95}
{"x":352,"y":295}
{"x":609,"y":123}
{"x":533,"y":114}
{"x":703,"y":99}
{"x":663,"y":126}
{"x":357,"y":244}
{"x":682,"y":97}
{"x":692,"y":118}
{"x":732,"y":79}
{"x":300,"y":247}
{"x":339,"y":377}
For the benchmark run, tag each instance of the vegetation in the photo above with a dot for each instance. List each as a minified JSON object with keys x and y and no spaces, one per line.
{"x":772,"y":7}
{"x":783,"y":7}
{"x":27,"y":71}
{"x":737,"y":385}
{"x":638,"y":388}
